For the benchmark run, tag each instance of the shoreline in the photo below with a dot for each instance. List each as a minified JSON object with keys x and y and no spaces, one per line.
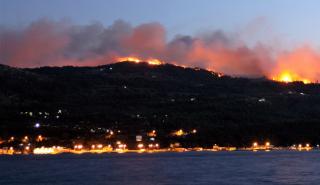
{"x":83,"y":152}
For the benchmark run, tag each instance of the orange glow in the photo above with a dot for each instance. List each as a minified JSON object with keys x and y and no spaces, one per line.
{"x":79,"y":147}
{"x":178,"y":133}
{"x":153,"y":133}
{"x":150,"y":61}
{"x":44,"y":150}
{"x":140,"y":146}
{"x":300,"y":64}
{"x":178,"y":65}
{"x":288,"y":77}
{"x":154,"y":62}
{"x":129,"y":59}
{"x":39,"y":138}
{"x":25,"y":139}
{"x":267,"y":144}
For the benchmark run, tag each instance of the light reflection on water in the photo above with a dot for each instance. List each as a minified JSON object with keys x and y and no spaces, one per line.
{"x":203,"y":168}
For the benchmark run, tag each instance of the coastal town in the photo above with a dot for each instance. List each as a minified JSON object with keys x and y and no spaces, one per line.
{"x":141,"y":148}
{"x":97,"y":140}
{"x":27,"y":145}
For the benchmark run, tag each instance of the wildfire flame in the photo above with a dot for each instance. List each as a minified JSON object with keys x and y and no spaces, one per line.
{"x":284,"y":76}
{"x":288,"y":77}
{"x":151,"y":61}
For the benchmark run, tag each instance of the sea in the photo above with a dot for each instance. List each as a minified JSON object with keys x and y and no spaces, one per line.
{"x":187,"y":168}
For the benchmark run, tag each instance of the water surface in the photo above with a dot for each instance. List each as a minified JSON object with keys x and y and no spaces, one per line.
{"x":201,"y":168}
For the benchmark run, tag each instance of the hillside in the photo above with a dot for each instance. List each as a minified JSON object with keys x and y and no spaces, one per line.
{"x":136,"y":97}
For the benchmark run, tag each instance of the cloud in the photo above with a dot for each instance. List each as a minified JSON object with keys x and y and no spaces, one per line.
{"x":39,"y":44}
{"x":57,"y":43}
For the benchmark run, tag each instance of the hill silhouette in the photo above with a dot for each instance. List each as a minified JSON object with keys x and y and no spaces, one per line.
{"x":139,"y":97}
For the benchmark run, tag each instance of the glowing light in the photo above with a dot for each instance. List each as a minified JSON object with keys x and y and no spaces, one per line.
{"x":39,"y":138}
{"x":154,"y":62}
{"x":255,"y":144}
{"x":288,"y":77}
{"x":79,"y":147}
{"x":140,"y":146}
{"x":25,"y":139}
{"x":152,"y":133}
{"x":122,"y":146}
{"x":179,"y":133}
{"x":151,"y":61}
{"x":129,"y":59}
{"x":267,"y":144}
{"x":43,"y":151}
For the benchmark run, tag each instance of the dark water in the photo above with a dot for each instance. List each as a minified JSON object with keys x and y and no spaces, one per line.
{"x":203,"y":168}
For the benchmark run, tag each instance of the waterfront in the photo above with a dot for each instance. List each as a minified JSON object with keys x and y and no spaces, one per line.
{"x":205,"y":168}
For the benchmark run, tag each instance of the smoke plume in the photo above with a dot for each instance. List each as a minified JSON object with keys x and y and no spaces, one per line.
{"x":52,"y":43}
